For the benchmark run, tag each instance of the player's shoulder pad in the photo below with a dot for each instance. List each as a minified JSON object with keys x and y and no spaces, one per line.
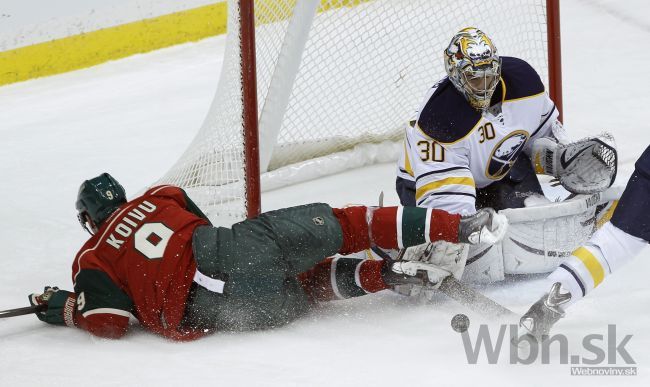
{"x":520,"y":79}
{"x":447,"y":116}
{"x":167,"y":191}
{"x":164,"y":190}
{"x":181,"y":197}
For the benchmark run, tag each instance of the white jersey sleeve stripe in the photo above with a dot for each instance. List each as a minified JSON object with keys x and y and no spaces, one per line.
{"x":398,"y":222}
{"x":335,"y":287}
{"x":118,"y":312}
{"x":357,"y":276}
{"x":427,"y":226}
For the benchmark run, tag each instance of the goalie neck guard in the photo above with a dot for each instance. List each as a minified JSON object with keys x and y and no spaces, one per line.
{"x":97,"y":199}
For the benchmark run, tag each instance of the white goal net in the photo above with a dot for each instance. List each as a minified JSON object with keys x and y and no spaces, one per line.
{"x":336,"y":82}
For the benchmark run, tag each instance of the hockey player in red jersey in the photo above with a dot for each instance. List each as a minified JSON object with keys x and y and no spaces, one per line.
{"x":157,"y":258}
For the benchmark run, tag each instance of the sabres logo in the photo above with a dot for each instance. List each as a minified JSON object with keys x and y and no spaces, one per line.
{"x":505,"y":154}
{"x":476,"y":46}
{"x":477,"y":50}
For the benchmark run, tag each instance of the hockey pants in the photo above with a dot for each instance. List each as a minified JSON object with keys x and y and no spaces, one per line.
{"x":259,"y":260}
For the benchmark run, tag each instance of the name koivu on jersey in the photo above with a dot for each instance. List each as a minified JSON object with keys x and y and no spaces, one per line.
{"x":129,"y":222}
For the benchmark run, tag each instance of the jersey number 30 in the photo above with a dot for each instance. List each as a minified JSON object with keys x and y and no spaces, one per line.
{"x":151,"y":239}
{"x":487,"y":133}
{"x":431,"y":151}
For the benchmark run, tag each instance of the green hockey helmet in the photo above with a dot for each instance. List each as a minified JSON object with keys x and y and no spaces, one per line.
{"x":97,"y":199}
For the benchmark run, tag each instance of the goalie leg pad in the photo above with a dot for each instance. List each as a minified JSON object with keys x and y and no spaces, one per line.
{"x":528,"y":248}
{"x":540,"y":246}
{"x":484,"y":264}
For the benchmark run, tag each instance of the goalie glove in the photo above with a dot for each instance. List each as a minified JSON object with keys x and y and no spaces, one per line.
{"x":583,"y":167}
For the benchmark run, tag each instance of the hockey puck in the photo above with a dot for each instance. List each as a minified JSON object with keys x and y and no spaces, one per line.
{"x":460,"y":323}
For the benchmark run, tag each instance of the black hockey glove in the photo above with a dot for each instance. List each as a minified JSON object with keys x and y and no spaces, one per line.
{"x":58,"y":302}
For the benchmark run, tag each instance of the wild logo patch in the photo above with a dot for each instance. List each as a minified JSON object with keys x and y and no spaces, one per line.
{"x":505,"y":154}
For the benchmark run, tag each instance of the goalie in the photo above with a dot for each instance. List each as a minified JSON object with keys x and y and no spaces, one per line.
{"x":479,"y":139}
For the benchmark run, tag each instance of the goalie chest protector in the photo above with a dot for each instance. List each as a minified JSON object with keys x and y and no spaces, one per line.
{"x":489,"y":142}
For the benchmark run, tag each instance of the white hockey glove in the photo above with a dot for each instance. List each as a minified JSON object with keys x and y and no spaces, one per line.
{"x":436,"y":261}
{"x":442,"y":259}
{"x":584,"y":167}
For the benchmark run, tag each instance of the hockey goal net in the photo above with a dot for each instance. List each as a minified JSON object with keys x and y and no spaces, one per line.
{"x":335,"y":82}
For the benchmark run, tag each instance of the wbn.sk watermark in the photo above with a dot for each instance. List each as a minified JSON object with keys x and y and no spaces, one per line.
{"x":603,"y":354}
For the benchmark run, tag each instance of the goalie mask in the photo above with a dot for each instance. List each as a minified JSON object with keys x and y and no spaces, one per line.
{"x":473,"y":66}
{"x":97,"y":199}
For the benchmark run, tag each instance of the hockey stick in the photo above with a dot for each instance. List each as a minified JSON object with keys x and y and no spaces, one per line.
{"x":469,"y":297}
{"x":474,"y":300}
{"x":22,"y":311}
{"x":478,"y":302}
{"x":482,"y":304}
{"x":460,"y":292}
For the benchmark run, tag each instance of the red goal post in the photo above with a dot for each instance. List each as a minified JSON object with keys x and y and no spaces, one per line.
{"x":250,"y":114}
{"x":313,"y":87}
{"x":554,"y":52}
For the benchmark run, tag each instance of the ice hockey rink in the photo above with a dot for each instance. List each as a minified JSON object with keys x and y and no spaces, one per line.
{"x":134,"y":118}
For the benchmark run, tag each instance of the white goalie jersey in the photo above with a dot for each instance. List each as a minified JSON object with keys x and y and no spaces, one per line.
{"x":451,"y":149}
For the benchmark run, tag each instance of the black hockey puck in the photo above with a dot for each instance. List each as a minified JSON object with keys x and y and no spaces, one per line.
{"x":460,"y":323}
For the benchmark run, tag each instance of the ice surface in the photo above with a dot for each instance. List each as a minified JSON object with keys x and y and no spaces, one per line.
{"x":135,"y":117}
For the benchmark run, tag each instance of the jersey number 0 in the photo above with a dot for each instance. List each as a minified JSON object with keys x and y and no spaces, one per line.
{"x":151,"y":239}
{"x":487,"y":133}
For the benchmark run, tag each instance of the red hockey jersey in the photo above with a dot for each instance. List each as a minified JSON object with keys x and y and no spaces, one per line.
{"x":139,"y":263}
